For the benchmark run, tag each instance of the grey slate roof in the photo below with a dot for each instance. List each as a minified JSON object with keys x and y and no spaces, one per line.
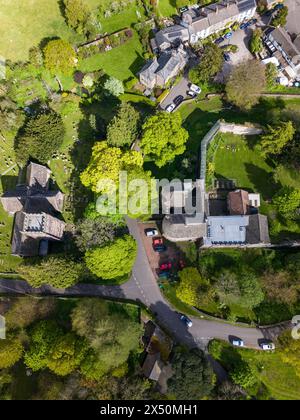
{"x":258,"y":230}
{"x":171,"y":35}
{"x":282,"y":38}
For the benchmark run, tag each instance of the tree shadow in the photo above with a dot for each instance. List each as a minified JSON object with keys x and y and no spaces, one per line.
{"x":262,"y":180}
{"x":9,"y":182}
{"x":137,"y":64}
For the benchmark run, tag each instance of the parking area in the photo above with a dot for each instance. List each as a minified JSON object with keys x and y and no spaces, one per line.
{"x":293,"y":20}
{"x":172,"y":254}
{"x":178,"y":90}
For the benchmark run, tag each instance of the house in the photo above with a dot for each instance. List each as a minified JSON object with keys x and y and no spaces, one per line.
{"x":240,"y":202}
{"x":170,"y":37}
{"x":281,"y":46}
{"x":158,"y":347}
{"x":237,"y":230}
{"x":36,"y":209}
{"x":202,"y":22}
{"x":159,"y":71}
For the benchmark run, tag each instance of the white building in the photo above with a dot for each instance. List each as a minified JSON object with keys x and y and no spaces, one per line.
{"x":205,"y":21}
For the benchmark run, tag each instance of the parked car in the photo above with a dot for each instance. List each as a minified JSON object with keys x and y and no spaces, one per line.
{"x":183,"y":9}
{"x":177,"y":101}
{"x":279,"y":6}
{"x":219,"y":40}
{"x":151,"y":232}
{"x":252,"y":22}
{"x":243,"y":26}
{"x":267,"y":346}
{"x":158,"y":245}
{"x":170,"y":108}
{"x":165,"y":266}
{"x":195,"y":88}
{"x":164,"y":275}
{"x":226,"y":57}
{"x":228,"y":35}
{"x":237,"y":342}
{"x":188,"y":322}
{"x":191,"y":94}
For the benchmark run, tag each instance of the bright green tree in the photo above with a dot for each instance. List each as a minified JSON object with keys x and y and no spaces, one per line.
{"x":243,"y":374}
{"x":210,"y":64}
{"x":123,"y":130}
{"x":287,"y":201}
{"x":11,"y":351}
{"x":55,"y":271}
{"x":113,"y":260}
{"x":163,"y":137}
{"x":60,"y":57}
{"x":40,"y":137}
{"x":50,"y":347}
{"x":192,"y":286}
{"x":271,"y":75}
{"x":276,"y":137}
{"x":106,"y":163}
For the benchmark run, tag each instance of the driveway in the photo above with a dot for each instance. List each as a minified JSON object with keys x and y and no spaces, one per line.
{"x":180,"y":89}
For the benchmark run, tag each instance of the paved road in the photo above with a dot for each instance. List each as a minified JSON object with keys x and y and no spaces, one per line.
{"x":180,"y":89}
{"x":143,"y":288}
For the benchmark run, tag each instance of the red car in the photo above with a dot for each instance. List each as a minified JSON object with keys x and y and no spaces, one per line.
{"x":181,"y":264}
{"x":158,"y":242}
{"x":165,"y":266}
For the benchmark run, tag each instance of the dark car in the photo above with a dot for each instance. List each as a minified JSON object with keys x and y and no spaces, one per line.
{"x":164,"y":275}
{"x":243,"y":26}
{"x":279,"y":6}
{"x":188,"y":322}
{"x":177,"y":101}
{"x":226,"y":57}
{"x":160,"y":248}
{"x":219,"y":40}
{"x":252,"y":22}
{"x":183,"y":9}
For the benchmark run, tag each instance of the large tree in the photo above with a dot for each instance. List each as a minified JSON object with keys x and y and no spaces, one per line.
{"x":11,"y":351}
{"x":280,"y":18}
{"x":113,"y":260}
{"x":94,"y":232}
{"x":77,"y":14}
{"x":256,"y":43}
{"x":57,"y":271}
{"x":193,"y":288}
{"x":40,"y":137}
{"x":163,"y":137}
{"x":277,"y":137}
{"x":105,"y":164}
{"x":123,"y":129}
{"x":287,"y":201}
{"x":109,"y":330}
{"x":60,"y":57}
{"x":50,"y":347}
{"x":246,"y":94}
{"x":210,"y":64}
{"x":192,"y":376}
{"x":114,"y":86}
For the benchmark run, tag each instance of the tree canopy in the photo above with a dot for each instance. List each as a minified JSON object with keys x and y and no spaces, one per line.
{"x":245,"y":95}
{"x":192,"y":286}
{"x":276,"y":137}
{"x":123,"y":129}
{"x":40,"y":137}
{"x":163,"y":137}
{"x":11,"y":351}
{"x":113,"y":260}
{"x":256,"y":43}
{"x":287,"y":201}
{"x":114,"y":86}
{"x":77,"y":14}
{"x":210,"y":64}
{"x":106,"y":163}
{"x":110,"y":332}
{"x":57,"y":271}
{"x":192,"y":376}
{"x":94,"y":232}
{"x":60,"y":57}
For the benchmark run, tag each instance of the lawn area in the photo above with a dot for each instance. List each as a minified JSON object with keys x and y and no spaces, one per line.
{"x":166,"y":7}
{"x":125,"y":19}
{"x":122,"y":62}
{"x":275,"y":379}
{"x":25,"y":23}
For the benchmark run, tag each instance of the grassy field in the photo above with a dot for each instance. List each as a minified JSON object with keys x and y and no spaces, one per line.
{"x":166,"y":7}
{"x":275,"y":379}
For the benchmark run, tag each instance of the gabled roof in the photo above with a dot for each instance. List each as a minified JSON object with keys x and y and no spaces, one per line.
{"x":258,"y":230}
{"x":238,"y":202}
{"x":38,"y":176}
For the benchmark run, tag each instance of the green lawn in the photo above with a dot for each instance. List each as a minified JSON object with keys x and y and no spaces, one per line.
{"x":122,"y":62}
{"x":278,"y":378}
{"x":25,"y":23}
{"x":166,"y":7}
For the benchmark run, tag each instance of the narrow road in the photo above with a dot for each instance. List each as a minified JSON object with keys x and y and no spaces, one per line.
{"x":143,"y":288}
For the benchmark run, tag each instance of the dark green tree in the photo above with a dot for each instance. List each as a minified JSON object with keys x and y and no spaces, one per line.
{"x":77,"y":14}
{"x":280,"y":18}
{"x":192,"y":376}
{"x":40,"y":137}
{"x":123,"y":130}
{"x":210,"y":64}
{"x":94,"y":232}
